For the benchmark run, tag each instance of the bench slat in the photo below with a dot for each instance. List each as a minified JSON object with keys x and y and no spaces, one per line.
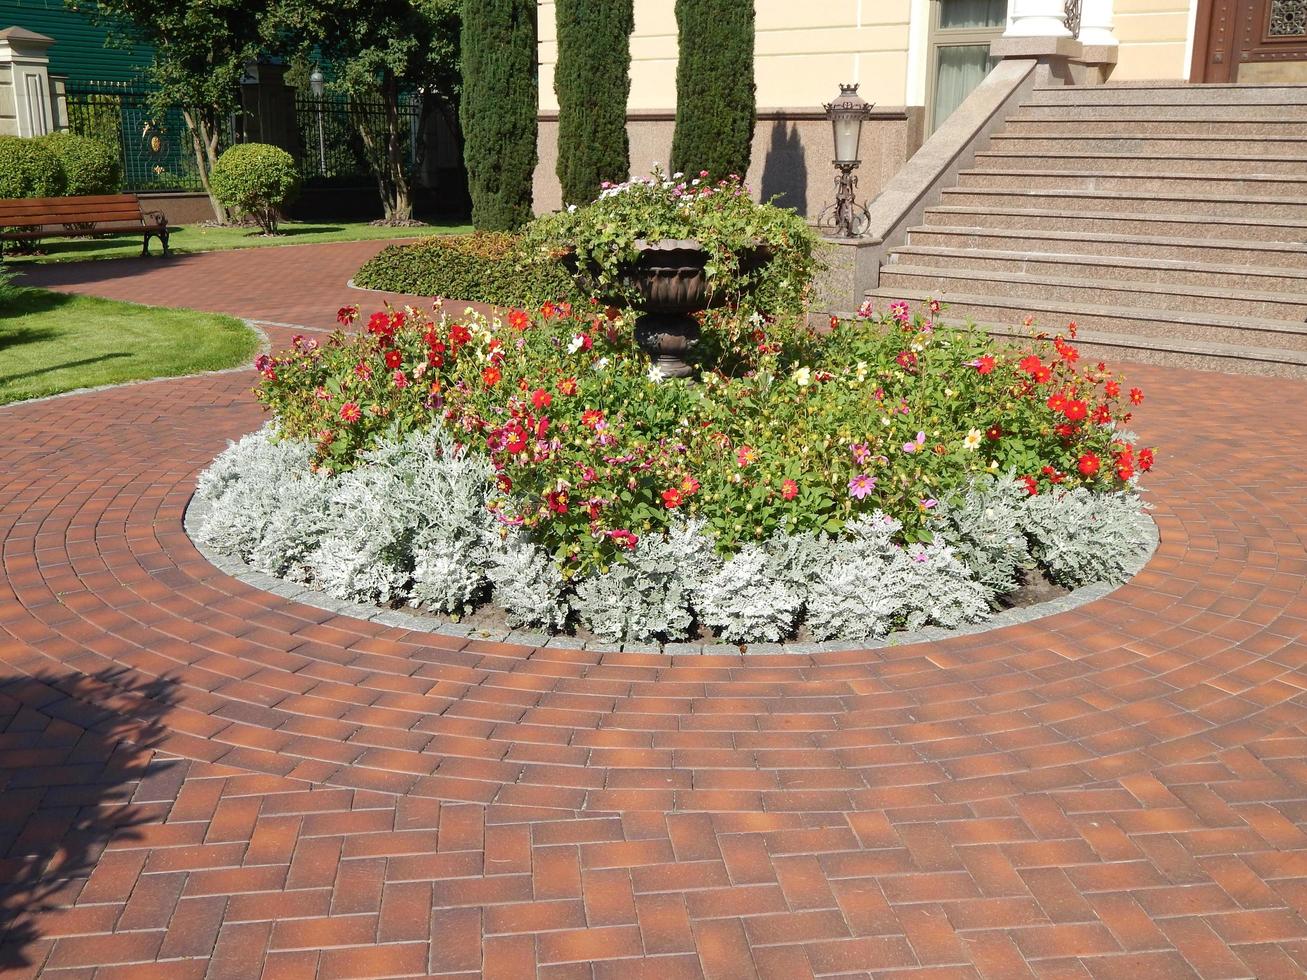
{"x":56,"y":221}
{"x":81,"y":209}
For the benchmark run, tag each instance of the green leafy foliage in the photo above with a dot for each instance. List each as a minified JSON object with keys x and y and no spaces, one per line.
{"x":484,"y":267}
{"x":380,"y":51}
{"x":592,"y":81}
{"x":28,"y":168}
{"x":90,"y":165}
{"x":256,"y":179}
{"x":715,"y":92}
{"x":498,"y":110}
{"x":604,"y":238}
{"x":595,"y":452}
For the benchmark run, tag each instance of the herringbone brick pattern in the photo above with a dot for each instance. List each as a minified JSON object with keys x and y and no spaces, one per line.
{"x":201,"y":779}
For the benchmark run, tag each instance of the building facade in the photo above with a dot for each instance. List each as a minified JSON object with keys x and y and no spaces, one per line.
{"x":916,"y":60}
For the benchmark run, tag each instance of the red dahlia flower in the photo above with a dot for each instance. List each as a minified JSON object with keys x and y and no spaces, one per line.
{"x":1136,"y":396}
{"x":491,"y":376}
{"x":985,"y":365}
{"x":789,"y":490}
{"x":1076,"y":410}
{"x":393,"y":358}
{"x":541,"y":398}
{"x":350,"y":412}
{"x":1088,"y":464}
{"x":518,"y":320}
{"x":672,"y":498}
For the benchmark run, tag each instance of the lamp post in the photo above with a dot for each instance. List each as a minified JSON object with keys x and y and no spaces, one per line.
{"x":847,"y":113}
{"x":318,"y":86}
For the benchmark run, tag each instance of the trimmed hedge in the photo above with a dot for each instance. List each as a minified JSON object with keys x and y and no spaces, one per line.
{"x":28,"y":168}
{"x":90,"y":165}
{"x":256,"y":179}
{"x":485,"y":267}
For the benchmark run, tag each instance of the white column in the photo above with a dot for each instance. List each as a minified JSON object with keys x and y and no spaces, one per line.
{"x":1037,"y":18}
{"x":25,"y":53}
{"x":1096,"y":24}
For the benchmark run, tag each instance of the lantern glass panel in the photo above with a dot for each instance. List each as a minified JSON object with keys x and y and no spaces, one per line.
{"x":848,"y":127}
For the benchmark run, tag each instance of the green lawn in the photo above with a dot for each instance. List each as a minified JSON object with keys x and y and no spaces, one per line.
{"x":194,"y":238}
{"x":51,"y":342}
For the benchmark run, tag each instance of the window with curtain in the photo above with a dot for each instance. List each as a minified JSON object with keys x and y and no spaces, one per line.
{"x":961,"y":35}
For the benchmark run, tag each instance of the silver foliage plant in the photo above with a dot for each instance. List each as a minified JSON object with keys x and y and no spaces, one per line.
{"x":528,"y":585}
{"x":986,"y":529}
{"x":1080,"y":537}
{"x":649,"y":595}
{"x":753,"y":597}
{"x":870,"y":585}
{"x":411,"y":524}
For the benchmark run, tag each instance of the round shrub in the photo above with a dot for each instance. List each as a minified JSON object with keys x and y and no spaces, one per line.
{"x":256,"y":179}
{"x":90,"y":165}
{"x":28,"y":168}
{"x":484,"y":267}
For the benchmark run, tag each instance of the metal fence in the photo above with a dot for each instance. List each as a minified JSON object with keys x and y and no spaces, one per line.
{"x":338,"y":136}
{"x":332,"y":138}
{"x":154,"y":147}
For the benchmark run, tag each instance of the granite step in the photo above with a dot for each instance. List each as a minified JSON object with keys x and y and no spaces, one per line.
{"x":1025,"y":160}
{"x":1070,"y":123}
{"x":1037,"y":220}
{"x":1164,"y":183}
{"x":1108,"y":267}
{"x":1180,"y":93}
{"x":1054,"y":314}
{"x":1161,"y":297}
{"x":1201,"y":111}
{"x":1270,"y":256}
{"x":1120,"y":223}
{"x":1202,"y":145}
{"x":1089,"y":202}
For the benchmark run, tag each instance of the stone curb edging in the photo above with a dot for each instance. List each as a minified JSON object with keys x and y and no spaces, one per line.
{"x":197,"y":510}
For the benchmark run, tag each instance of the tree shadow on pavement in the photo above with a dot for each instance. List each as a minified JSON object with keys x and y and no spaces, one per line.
{"x":74,"y":750}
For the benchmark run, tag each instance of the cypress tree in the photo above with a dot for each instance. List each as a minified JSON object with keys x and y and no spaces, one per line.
{"x":714,"y":87}
{"x":498,"y":108}
{"x":592,"y":81}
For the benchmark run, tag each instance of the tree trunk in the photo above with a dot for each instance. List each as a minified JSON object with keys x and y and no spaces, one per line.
{"x":204,"y":142}
{"x":401,"y":209}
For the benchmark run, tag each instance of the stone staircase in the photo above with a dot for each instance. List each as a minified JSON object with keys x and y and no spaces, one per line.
{"x":1168,"y":221}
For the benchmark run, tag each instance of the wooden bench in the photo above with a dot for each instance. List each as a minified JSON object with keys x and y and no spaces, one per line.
{"x":28,"y":219}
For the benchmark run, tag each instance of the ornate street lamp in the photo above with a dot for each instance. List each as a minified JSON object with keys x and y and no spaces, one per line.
{"x":318,"y":86}
{"x":846,"y":216}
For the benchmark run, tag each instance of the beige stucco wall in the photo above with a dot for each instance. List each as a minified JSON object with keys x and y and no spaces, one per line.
{"x":1155,"y":39}
{"x":803,"y":51}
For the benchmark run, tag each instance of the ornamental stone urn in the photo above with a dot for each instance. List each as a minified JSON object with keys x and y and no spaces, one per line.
{"x":671,"y":286}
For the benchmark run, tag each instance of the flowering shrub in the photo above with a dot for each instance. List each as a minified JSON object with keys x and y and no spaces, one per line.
{"x":604,"y":236}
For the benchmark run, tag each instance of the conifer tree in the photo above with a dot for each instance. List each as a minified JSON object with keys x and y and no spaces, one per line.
{"x":498,"y":109}
{"x":715,"y":106}
{"x":592,"y":81}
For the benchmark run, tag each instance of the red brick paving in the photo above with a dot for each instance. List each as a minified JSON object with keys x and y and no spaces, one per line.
{"x":202,"y":779}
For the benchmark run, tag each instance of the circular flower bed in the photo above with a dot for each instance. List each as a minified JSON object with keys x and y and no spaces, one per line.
{"x":889,"y":473}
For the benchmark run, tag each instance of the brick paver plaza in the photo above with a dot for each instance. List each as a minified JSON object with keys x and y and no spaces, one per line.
{"x":203,"y":776}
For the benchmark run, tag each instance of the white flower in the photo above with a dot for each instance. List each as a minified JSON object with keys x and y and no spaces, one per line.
{"x":600,"y":364}
{"x":861,"y":371}
{"x":803,"y":377}
{"x":972,"y":440}
{"x":993,"y":464}
{"x":571,"y":208}
{"x":655,"y":373}
{"x":949,"y":392}
{"x":577,"y":343}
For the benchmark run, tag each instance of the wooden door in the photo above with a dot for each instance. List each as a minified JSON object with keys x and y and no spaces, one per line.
{"x":1250,"y":41}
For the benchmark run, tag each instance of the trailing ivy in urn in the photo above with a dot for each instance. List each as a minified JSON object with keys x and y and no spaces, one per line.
{"x":498,"y":110}
{"x":715,"y":102}
{"x":592,"y":81}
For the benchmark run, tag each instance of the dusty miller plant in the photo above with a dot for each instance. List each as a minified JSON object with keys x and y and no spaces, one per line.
{"x":245,"y":487}
{"x":528,"y":585}
{"x":1081,"y":537}
{"x":870,"y":584}
{"x":650,"y":594}
{"x":985,"y":529}
{"x":749,"y":599}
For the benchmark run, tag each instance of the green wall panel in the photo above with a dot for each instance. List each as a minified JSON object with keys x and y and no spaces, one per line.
{"x":80,"y":50}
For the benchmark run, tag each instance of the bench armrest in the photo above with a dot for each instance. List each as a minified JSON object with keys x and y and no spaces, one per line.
{"x":158,"y":217}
